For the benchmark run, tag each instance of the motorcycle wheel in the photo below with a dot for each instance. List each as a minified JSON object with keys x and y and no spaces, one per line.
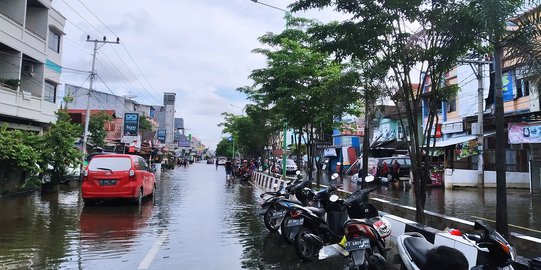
{"x":305,"y":249}
{"x":285,"y":230}
{"x":272,"y":225}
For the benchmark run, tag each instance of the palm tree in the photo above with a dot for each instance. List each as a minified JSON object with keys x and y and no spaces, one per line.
{"x":493,"y":17}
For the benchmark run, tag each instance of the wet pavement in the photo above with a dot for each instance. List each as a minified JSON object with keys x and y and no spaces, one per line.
{"x":197,"y":221}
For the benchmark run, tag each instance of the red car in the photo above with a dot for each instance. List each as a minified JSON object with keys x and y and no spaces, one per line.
{"x":117,"y":176}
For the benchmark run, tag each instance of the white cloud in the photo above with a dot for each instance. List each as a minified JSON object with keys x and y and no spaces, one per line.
{"x":200,"y":50}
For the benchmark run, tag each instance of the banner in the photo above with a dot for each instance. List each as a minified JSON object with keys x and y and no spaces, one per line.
{"x":466,"y":149}
{"x":161,"y":135}
{"x":524,"y":133}
{"x":131,"y":124}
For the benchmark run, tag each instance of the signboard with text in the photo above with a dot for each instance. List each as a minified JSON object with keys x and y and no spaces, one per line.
{"x":161,"y":135}
{"x":131,"y":124}
{"x":524,"y":133}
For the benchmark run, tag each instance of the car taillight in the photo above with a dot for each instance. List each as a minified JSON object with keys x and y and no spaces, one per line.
{"x":132,"y":175}
{"x":295,"y":213}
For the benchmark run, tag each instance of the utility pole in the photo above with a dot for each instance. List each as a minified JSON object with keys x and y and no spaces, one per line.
{"x":92,"y":76}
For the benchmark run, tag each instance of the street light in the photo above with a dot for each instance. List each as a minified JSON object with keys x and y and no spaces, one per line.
{"x":287,"y":17}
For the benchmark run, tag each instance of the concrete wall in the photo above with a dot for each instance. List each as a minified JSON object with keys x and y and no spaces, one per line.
{"x":468,"y":178}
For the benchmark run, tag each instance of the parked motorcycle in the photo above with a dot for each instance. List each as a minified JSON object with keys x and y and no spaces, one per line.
{"x":275,"y":207}
{"x":494,"y":252}
{"x":365,"y":233}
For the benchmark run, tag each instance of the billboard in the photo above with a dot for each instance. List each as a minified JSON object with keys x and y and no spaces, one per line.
{"x":524,"y":133}
{"x":131,"y":124}
{"x":161,"y":135}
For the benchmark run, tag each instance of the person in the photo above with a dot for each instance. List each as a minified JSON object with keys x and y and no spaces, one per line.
{"x":384,"y":170}
{"x":216,"y":164}
{"x":228,"y":169}
{"x":265,"y":166}
{"x":396,"y":171}
{"x":445,"y":258}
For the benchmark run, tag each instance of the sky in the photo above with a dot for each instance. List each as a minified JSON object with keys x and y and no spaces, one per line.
{"x":198,"y":49}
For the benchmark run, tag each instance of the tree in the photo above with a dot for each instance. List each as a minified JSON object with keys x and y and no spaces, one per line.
{"x":96,"y":127}
{"x":224,"y":148}
{"x":379,"y":33}
{"x":59,"y":149}
{"x":302,"y":86}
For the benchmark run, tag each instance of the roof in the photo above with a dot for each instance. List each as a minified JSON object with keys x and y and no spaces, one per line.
{"x":92,"y":112}
{"x":461,"y":139}
{"x":392,"y":144}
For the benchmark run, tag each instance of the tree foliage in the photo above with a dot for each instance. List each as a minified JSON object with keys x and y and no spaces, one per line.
{"x":96,"y":127}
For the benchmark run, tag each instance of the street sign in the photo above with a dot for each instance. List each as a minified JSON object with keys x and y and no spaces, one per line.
{"x":323,"y":145}
{"x":131,"y":124}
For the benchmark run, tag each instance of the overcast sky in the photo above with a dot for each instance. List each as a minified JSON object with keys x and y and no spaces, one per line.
{"x":198,"y":49}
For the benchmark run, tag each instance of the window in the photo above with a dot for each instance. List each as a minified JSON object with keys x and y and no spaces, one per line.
{"x":54,"y":41}
{"x":49,"y":93}
{"x":113,"y":163}
{"x":523,"y":88}
{"x":451,"y":104}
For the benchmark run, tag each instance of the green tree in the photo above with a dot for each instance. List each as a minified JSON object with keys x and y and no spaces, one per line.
{"x":59,"y":149}
{"x":224,"y":148}
{"x":144,"y":124}
{"x":96,"y":127}
{"x":17,"y":154}
{"x":378,"y":33}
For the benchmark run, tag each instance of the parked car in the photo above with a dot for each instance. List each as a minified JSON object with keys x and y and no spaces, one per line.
{"x":291,"y":167}
{"x":117,"y":176}
{"x":404,"y":161}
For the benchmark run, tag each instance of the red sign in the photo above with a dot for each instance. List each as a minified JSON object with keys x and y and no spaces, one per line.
{"x":438,"y":131}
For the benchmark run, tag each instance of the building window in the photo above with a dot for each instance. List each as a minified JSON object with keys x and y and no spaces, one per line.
{"x":49,"y":93}
{"x":54,"y":41}
{"x":451,"y":104}
{"x":523,"y":88}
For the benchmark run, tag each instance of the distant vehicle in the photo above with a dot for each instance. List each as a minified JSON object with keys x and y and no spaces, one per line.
{"x":117,"y":176}
{"x":210,"y":161}
{"x":291,"y":167}
{"x":222,"y":160}
{"x":404,"y":161}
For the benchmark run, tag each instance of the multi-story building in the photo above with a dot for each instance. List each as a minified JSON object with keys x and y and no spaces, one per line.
{"x":30,"y":63}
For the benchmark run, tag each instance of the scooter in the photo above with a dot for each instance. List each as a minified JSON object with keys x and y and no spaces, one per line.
{"x":365,"y":233}
{"x":494,"y":251}
{"x":275,"y":207}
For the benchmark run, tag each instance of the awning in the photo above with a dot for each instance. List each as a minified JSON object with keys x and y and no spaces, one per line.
{"x":456,"y":140}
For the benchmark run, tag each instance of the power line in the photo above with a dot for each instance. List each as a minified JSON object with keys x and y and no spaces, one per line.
{"x":83,"y":18}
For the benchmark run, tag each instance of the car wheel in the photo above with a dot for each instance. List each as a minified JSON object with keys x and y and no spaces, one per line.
{"x":139,"y":198}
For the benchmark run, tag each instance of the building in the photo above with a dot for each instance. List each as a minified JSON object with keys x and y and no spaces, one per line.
{"x":30,"y":63}
{"x":166,"y":119}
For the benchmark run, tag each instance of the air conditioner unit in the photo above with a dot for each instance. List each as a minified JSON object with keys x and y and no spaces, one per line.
{"x":28,"y":69}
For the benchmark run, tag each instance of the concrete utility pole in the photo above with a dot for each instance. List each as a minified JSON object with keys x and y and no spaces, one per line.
{"x":92,"y":76}
{"x":287,"y":17}
{"x":480,"y":122}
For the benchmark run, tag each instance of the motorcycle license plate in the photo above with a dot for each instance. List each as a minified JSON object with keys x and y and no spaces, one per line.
{"x":279,"y":214}
{"x":358,"y":243}
{"x":295,"y":222}
{"x":107,"y":182}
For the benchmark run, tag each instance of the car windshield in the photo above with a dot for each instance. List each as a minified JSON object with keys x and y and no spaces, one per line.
{"x":290,"y":162}
{"x":110,"y":163}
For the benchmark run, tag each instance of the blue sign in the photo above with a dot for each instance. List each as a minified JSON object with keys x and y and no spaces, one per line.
{"x":507,"y":83}
{"x":161,"y":135}
{"x":131,"y":124}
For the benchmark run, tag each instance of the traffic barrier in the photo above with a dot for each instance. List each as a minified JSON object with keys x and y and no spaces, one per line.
{"x":400,"y":217}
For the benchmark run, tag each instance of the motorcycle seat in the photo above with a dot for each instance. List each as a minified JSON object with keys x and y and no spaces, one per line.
{"x":293,"y":201}
{"x":318,"y":211}
{"x":417,"y":248}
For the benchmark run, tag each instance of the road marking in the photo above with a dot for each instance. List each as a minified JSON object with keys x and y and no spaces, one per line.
{"x":145,"y":263}
{"x":512,"y":225}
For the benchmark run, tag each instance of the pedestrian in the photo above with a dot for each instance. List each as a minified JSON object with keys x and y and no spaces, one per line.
{"x":384,"y":170}
{"x":265,"y":166}
{"x":216,"y":164}
{"x":228,"y":169}
{"x":396,"y":171}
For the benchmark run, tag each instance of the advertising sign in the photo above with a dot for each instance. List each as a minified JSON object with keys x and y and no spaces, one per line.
{"x":524,"y":133}
{"x":507,"y":90}
{"x":131,"y":124}
{"x":466,"y":149}
{"x":161,"y":135}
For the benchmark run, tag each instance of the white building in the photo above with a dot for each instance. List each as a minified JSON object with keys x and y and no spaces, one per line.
{"x":30,"y":63}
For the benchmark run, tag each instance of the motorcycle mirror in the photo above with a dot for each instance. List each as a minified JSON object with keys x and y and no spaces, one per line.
{"x":369,"y":179}
{"x":298,"y":172}
{"x":334,"y":198}
{"x":334,"y":176}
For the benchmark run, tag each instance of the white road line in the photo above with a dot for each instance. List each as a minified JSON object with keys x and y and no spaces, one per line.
{"x":145,"y":263}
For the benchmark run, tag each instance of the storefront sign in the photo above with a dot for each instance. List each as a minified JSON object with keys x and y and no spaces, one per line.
{"x":161,"y":135}
{"x":466,"y":149}
{"x":524,"y":133}
{"x":131,"y":124}
{"x":452,"y":128}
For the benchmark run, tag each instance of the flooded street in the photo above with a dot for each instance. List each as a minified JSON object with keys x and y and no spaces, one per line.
{"x":198,"y":221}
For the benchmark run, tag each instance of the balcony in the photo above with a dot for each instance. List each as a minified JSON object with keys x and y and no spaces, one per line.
{"x":24,"y":105}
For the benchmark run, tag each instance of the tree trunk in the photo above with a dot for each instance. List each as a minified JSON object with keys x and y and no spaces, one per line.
{"x":501,"y":192}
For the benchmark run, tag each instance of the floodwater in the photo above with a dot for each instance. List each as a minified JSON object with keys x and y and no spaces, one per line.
{"x":197,"y":221}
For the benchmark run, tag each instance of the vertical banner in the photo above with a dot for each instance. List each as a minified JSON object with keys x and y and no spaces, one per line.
{"x":161,"y":135}
{"x":131,"y":124}
{"x":507,"y":83}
